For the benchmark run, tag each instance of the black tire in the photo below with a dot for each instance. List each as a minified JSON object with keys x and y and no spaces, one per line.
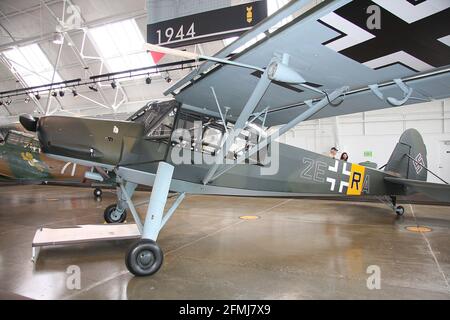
{"x":111,"y":216}
{"x":144,"y":258}
{"x":400,"y":211}
{"x":98,"y":192}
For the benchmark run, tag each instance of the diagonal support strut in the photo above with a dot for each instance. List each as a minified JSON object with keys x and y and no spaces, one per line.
{"x":250,"y":106}
{"x":302,"y":117}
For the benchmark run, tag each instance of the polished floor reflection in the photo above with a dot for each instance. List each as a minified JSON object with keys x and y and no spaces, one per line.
{"x":297,"y":249}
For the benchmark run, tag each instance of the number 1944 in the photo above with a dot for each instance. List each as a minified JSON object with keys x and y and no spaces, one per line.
{"x":169,"y":35}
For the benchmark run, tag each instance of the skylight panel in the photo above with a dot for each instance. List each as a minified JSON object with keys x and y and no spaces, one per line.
{"x":31,"y":63}
{"x":120,"y":44}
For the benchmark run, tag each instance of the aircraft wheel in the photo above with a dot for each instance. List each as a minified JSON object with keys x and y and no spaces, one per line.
{"x":98,"y":192}
{"x":399,"y":210}
{"x":144,"y":258}
{"x":112,"y":215}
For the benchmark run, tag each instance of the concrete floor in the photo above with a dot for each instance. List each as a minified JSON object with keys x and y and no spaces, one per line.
{"x":298,"y":249}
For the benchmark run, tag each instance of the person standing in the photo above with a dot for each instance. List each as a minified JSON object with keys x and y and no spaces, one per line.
{"x":333,"y":152}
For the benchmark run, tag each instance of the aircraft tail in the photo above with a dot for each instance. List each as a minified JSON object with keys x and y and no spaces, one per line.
{"x":409,"y":158}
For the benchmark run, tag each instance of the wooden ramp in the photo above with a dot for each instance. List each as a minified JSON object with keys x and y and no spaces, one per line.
{"x":82,"y":234}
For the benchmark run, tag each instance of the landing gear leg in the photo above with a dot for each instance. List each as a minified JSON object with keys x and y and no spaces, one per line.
{"x":391,"y":202}
{"x":399,"y":210}
{"x":145,"y":257}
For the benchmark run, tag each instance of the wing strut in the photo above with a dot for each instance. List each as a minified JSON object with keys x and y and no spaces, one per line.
{"x":252,"y":103}
{"x":224,"y":118}
{"x":277,"y":70}
{"x":302,"y":117}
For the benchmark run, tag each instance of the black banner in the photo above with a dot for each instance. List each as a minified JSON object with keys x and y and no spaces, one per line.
{"x":207,"y":26}
{"x":232,"y":310}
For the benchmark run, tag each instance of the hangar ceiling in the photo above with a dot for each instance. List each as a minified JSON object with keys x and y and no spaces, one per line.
{"x":29,"y":50}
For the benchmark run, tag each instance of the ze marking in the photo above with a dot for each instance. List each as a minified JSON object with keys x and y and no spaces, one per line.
{"x":314,"y":170}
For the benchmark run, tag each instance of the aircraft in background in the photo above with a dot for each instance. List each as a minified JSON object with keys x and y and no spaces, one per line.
{"x":218,"y":135}
{"x":22,"y":162}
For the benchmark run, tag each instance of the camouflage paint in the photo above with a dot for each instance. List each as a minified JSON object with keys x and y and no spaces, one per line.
{"x":21,"y":162}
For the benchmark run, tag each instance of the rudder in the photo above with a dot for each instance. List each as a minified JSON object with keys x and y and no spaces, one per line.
{"x":410,"y":145}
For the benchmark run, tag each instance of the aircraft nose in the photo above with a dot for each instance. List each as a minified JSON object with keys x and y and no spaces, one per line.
{"x":29,"y":122}
{"x":95,"y":140}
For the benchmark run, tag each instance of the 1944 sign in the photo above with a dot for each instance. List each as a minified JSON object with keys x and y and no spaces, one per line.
{"x":169,"y":34}
{"x":207,"y":26}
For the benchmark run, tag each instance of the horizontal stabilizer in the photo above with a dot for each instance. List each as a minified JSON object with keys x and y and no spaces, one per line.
{"x":436,"y":191}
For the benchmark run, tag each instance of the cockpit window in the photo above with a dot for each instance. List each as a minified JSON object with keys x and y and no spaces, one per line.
{"x":163,"y":127}
{"x":203,"y":133}
{"x":168,"y":122}
{"x":158,"y":119}
{"x":211,"y":140}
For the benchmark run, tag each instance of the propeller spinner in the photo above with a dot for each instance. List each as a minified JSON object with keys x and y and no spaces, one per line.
{"x":29,"y":122}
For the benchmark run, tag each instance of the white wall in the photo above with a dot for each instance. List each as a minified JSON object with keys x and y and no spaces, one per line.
{"x":378,"y":131}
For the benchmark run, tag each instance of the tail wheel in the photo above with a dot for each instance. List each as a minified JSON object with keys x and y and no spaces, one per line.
{"x":98,"y":192}
{"x":113,"y":215}
{"x":144,"y":258}
{"x":399,"y":210}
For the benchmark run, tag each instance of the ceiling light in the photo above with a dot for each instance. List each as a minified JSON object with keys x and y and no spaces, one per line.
{"x":61,"y":93}
{"x":74,"y":92}
{"x":1,"y":102}
{"x":27,"y":99}
{"x":113,"y":84}
{"x":54,"y":94}
{"x":8,"y":101}
{"x":93,"y":88}
{"x":169,"y":79}
{"x":148,"y":80}
{"x":37,"y":96}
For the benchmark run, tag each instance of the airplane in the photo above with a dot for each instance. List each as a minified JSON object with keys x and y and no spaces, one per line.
{"x":22,"y":162}
{"x":217,"y":136}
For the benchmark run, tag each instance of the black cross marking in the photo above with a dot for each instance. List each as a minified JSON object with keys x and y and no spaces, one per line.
{"x":338,"y":176}
{"x":418,"y":39}
{"x":416,"y":2}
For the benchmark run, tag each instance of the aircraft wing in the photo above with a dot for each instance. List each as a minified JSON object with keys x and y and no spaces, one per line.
{"x":334,"y":44}
{"x":436,"y":191}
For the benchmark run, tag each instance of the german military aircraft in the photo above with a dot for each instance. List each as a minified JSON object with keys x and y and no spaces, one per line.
{"x":22,"y":162}
{"x":218,"y":135}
